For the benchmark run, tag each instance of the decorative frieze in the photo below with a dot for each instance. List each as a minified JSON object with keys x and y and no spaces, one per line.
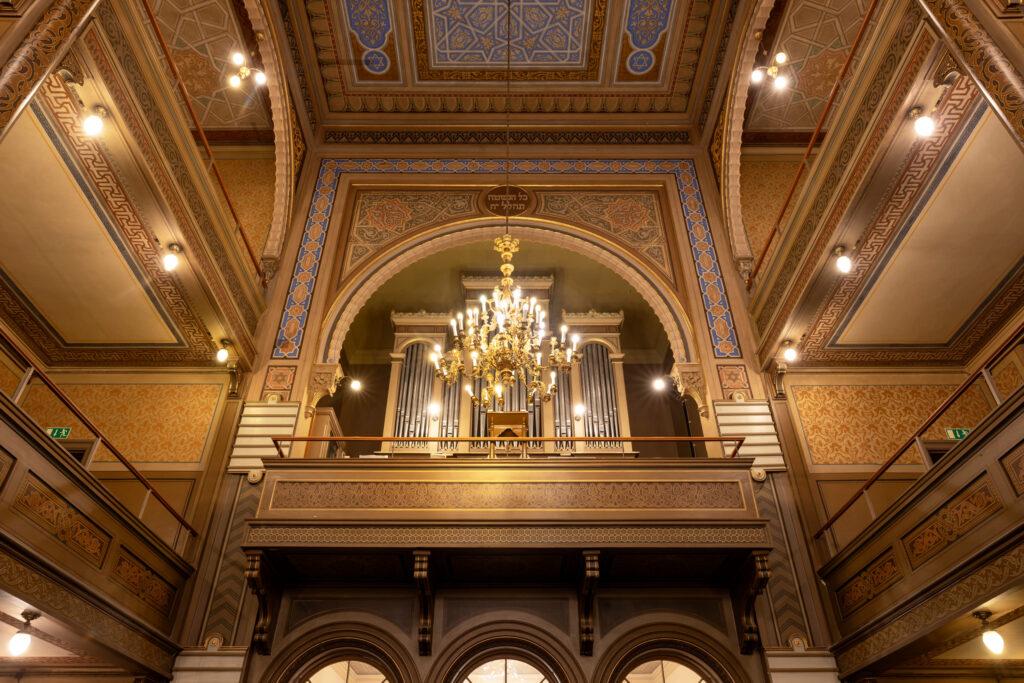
{"x":952,"y":521}
{"x":868,"y":583}
{"x":547,"y":495}
{"x":147,"y":585}
{"x":44,"y":506}
{"x":1013,"y":465}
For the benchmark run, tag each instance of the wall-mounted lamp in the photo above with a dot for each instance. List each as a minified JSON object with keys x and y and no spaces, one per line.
{"x":355,"y":385}
{"x":92,"y":124}
{"x":20,"y":641}
{"x":924,"y":124}
{"x":789,"y":352}
{"x":223,"y":353}
{"x":172,"y":258}
{"x":989,"y":636}
{"x":579,"y":410}
{"x":659,"y":384}
{"x":434,"y":410}
{"x":844,"y":264}
{"x":244,"y":72}
{"x":771,"y":72}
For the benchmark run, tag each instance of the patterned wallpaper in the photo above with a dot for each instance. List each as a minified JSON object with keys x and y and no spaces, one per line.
{"x":8,"y":379}
{"x":250,"y":184}
{"x":763,"y":187}
{"x":865,"y":424}
{"x":1007,"y":374}
{"x":148,"y":422}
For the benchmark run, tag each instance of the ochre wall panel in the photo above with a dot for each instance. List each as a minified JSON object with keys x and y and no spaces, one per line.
{"x":250,"y":184}
{"x":763,"y":187}
{"x":865,"y":424}
{"x":168,"y":423}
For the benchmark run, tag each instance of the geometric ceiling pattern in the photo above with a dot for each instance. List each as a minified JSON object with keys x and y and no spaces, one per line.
{"x":202,"y":35}
{"x":816,"y":36}
{"x":569,"y":58}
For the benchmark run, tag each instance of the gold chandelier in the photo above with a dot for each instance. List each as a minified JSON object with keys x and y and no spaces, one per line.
{"x":504,"y":342}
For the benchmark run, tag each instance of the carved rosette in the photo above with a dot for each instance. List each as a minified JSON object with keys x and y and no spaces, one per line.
{"x":689,"y":381}
{"x":322,"y":382}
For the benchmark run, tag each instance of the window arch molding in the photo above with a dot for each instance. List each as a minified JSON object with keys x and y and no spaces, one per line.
{"x":507,"y":640}
{"x":670,"y":642}
{"x":309,"y":651}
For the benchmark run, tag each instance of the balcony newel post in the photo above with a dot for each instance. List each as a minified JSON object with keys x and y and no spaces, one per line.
{"x":397,"y":359}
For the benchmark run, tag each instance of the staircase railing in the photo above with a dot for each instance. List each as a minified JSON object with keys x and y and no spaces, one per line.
{"x":34,"y":372}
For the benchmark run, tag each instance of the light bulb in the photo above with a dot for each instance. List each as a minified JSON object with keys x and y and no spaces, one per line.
{"x":437,"y":348}
{"x":259,"y":77}
{"x":844,"y":264}
{"x":237,"y":58}
{"x":579,"y":409}
{"x":658,"y":384}
{"x":171,"y":261}
{"x":780,"y":83}
{"x":781,"y":57}
{"x":924,"y":126}
{"x":355,"y":385}
{"x":789,"y":354}
{"x":235,"y":81}
{"x":468,"y":387}
{"x":222,"y":355}
{"x":19,"y":643}
{"x":757,"y":76}
{"x":993,"y":641}
{"x":434,"y":409}
{"x":92,"y":125}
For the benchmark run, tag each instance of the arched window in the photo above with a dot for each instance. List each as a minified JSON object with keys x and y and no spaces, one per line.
{"x":505,"y":671}
{"x":349,"y":671}
{"x":663,"y":671}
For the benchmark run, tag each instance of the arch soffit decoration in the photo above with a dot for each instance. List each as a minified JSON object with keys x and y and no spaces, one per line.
{"x":322,"y":641}
{"x":683,"y":643}
{"x":732,"y":135}
{"x":473,"y":645}
{"x":358,"y":289}
{"x":277,"y":89}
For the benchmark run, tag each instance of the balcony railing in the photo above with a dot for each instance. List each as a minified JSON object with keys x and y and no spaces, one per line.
{"x":522,"y":447}
{"x":34,"y":376}
{"x":931,"y":452}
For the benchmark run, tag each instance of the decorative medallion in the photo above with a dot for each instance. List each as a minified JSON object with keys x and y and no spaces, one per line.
{"x":506,"y":200}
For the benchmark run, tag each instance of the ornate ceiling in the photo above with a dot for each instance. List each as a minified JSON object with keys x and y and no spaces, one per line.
{"x":816,"y":35}
{"x":202,"y":35}
{"x":81,"y":279}
{"x":917,"y":294}
{"x":571,"y":60}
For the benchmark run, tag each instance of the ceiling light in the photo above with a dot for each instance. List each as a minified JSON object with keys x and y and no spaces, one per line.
{"x":659,"y":384}
{"x":20,"y":641}
{"x":924,"y":125}
{"x":355,"y":385}
{"x":757,"y":76}
{"x":789,"y":353}
{"x":259,"y":77}
{"x":780,"y":83}
{"x":844,"y":264}
{"x":781,"y":57}
{"x":171,"y":258}
{"x":989,"y":636}
{"x":222,"y":353}
{"x":92,"y":125}
{"x":235,"y":81}
{"x":237,"y":58}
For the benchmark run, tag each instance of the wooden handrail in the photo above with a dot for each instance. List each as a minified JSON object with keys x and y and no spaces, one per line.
{"x":77,"y":412}
{"x":183,"y":91}
{"x":810,"y":145}
{"x":738,"y":440}
{"x":993,"y":358}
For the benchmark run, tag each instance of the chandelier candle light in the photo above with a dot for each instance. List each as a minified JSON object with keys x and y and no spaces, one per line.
{"x":504,"y":341}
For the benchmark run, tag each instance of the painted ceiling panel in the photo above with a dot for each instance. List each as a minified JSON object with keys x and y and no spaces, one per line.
{"x":930,"y":287}
{"x":62,"y":255}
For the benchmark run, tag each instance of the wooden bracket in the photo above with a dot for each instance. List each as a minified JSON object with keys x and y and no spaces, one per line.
{"x":588,"y":585}
{"x":751,"y":583}
{"x":421,"y":573}
{"x":257,"y":577}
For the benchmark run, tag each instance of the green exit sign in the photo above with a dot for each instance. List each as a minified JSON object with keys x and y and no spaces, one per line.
{"x":957,"y":433}
{"x":59,"y":432}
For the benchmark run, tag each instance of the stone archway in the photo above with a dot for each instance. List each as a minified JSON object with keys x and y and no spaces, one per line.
{"x":658,"y":293}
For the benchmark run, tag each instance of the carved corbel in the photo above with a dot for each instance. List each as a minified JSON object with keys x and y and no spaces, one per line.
{"x":257,"y":577}
{"x":777,"y":377}
{"x":588,"y":584}
{"x":751,"y":583}
{"x":268,"y":264}
{"x":421,"y":574}
{"x":689,"y":381}
{"x":322,"y":382}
